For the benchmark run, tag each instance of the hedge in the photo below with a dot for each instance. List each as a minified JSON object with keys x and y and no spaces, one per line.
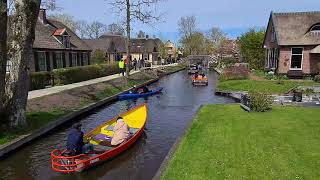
{"x":82,"y":73}
{"x":39,"y":80}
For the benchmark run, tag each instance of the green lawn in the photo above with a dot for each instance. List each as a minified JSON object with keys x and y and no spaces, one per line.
{"x":266,"y":85}
{"x":226,"y":142}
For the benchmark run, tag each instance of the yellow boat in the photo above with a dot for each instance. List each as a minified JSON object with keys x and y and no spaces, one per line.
{"x":135,"y":118}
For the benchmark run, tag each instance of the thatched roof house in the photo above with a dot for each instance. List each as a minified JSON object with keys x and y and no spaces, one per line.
{"x":292,"y":42}
{"x":115,"y":46}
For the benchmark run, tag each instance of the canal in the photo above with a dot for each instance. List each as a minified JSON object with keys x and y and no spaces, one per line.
{"x":168,"y":115}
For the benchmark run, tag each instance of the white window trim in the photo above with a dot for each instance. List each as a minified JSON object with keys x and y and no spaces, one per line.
{"x":45,"y":60}
{"x":59,"y":52}
{"x":76,"y":54}
{"x":301,"y":59}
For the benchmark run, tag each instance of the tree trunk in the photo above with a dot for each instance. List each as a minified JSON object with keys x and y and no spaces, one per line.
{"x":128,"y":45}
{"x":23,"y":31}
{"x":3,"y":53}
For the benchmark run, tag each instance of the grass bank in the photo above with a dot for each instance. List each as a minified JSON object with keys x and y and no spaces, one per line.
{"x":271,"y":86}
{"x":43,"y":110}
{"x":226,"y":142}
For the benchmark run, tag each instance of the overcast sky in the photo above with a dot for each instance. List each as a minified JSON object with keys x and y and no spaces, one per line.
{"x":233,"y":16}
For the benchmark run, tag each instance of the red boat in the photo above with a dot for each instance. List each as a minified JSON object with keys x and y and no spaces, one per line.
{"x":136,"y":120}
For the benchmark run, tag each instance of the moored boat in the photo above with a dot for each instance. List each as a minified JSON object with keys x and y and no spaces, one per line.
{"x":135,"y":118}
{"x":126,"y":96}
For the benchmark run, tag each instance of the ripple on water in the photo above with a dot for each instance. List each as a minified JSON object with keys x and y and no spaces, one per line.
{"x":168,"y":115}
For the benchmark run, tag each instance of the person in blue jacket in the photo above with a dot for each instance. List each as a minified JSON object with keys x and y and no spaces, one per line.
{"x":75,"y":144}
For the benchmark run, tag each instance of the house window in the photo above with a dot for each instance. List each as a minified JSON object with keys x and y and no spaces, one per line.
{"x":42,"y":62}
{"x":85,"y":59}
{"x":296,"y":58}
{"x":315,"y":28}
{"x":9,"y":64}
{"x":66,"y":41}
{"x":74,"y":59}
{"x":59,"y":60}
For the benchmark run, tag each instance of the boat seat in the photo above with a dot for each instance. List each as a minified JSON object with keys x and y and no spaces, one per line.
{"x":131,"y":130}
{"x":102,"y":137}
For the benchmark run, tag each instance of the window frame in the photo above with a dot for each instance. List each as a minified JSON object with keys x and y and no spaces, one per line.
{"x":302,"y":58}
{"x":45,"y":61}
{"x":8,"y":66}
{"x":76,"y":59}
{"x":86,"y":54}
{"x":56,"y":54}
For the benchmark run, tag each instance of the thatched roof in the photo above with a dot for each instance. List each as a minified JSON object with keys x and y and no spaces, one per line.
{"x":117,"y":43}
{"x":45,"y":39}
{"x":294,"y":28}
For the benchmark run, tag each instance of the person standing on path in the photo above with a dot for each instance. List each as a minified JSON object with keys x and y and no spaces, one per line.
{"x":121,"y":67}
{"x":135,"y":64}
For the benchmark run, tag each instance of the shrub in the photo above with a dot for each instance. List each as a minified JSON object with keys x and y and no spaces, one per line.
{"x":83,"y":73}
{"x":98,"y":57}
{"x":39,"y":80}
{"x":234,"y":73}
{"x":147,"y":64}
{"x":317,"y":78}
{"x":260,"y":101}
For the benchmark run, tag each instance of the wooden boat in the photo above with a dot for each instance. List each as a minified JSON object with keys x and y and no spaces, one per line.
{"x":200,"y":80}
{"x":137,"y":95}
{"x":136,"y":119}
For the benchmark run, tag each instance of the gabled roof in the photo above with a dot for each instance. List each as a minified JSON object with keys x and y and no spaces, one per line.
{"x":116,"y":43}
{"x":45,"y":39}
{"x":294,"y":28}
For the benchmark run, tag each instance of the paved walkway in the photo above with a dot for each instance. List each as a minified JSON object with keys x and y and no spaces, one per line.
{"x":57,"y":89}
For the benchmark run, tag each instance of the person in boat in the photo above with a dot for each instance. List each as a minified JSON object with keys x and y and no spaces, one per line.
{"x":134,"y":90}
{"x":75,"y":143}
{"x":196,"y":75}
{"x":121,"y":132}
{"x":145,"y":89}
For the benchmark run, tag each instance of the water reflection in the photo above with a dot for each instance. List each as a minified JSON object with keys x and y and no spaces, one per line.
{"x":168,"y":115}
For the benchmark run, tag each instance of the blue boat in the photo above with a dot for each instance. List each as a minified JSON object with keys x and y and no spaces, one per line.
{"x":137,"y":95}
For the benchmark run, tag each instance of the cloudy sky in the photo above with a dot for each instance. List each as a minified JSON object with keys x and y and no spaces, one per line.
{"x":233,"y":16}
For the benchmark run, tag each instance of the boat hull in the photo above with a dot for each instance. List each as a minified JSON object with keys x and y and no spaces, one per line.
{"x":135,"y":96}
{"x":70,"y":164}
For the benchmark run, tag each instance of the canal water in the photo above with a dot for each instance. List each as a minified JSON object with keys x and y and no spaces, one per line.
{"x":168,"y":115}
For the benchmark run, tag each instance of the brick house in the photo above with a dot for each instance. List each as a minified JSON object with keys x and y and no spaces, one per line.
{"x":114,"y":47}
{"x":292,"y":43}
{"x":56,"y":46}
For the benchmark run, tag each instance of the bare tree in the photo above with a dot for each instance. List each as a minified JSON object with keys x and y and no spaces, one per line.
{"x":216,"y":36}
{"x":66,"y":19}
{"x":115,"y":29}
{"x":3,"y":52}
{"x":187,"y":27}
{"x":141,"y":34}
{"x":82,"y":28}
{"x":22,"y":27}
{"x":96,"y":29}
{"x":139,"y":10}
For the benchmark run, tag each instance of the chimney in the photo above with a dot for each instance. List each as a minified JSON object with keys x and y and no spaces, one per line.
{"x":42,"y":16}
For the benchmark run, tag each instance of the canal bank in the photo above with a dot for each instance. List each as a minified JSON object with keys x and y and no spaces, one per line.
{"x":84,"y":99}
{"x":168,"y":116}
